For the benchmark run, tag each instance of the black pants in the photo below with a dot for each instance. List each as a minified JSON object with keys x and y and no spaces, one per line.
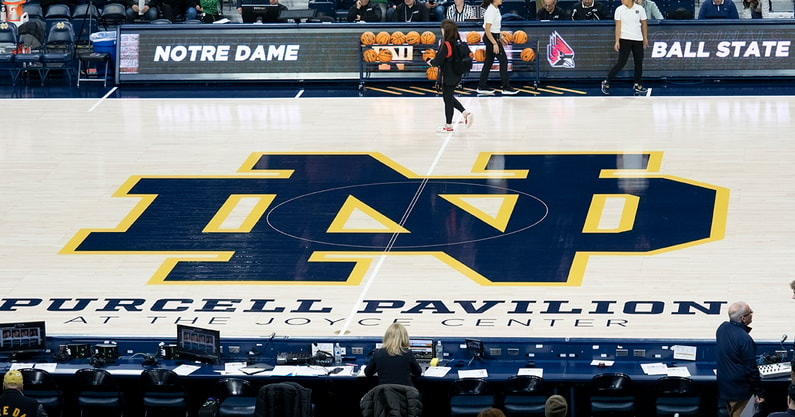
{"x":501,"y":57}
{"x":450,"y":103}
{"x":625,"y":46}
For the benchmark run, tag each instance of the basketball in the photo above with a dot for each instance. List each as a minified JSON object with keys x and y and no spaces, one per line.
{"x":398,"y":38}
{"x":432,"y":73}
{"x":428,"y":37}
{"x":480,"y":54}
{"x":383,"y":38}
{"x":369,"y":55}
{"x":528,"y":54}
{"x":385,"y":55}
{"x":367,"y":38}
{"x":473,"y":37}
{"x":413,"y":37}
{"x":428,"y":54}
{"x":520,"y":37}
{"x":507,"y":36}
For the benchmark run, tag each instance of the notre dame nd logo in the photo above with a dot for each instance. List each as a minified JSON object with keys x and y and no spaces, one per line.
{"x":515,"y":219}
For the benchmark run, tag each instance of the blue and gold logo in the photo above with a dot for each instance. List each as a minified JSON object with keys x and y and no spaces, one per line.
{"x":515,"y":219}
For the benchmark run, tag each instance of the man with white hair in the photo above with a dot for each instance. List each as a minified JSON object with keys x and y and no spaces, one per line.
{"x":737,"y":373}
{"x":13,"y":402}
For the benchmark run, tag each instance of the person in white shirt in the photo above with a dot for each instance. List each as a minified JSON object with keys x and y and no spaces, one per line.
{"x":631,"y":37}
{"x":492,"y":25}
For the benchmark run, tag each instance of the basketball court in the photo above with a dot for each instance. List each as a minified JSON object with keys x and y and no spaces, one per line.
{"x":553,"y":216}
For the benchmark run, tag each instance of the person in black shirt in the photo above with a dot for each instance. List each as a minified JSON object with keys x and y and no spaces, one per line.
{"x":551,"y":11}
{"x":364,"y":11}
{"x":13,"y":402}
{"x":411,"y":11}
{"x":589,"y":10}
{"x":394,"y":362}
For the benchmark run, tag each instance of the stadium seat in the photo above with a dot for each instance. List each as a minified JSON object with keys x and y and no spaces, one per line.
{"x":33,"y":10}
{"x":58,"y":52}
{"x":113,"y":14}
{"x":468,"y":397}
{"x":97,"y":393}
{"x":9,"y":38}
{"x":611,"y":395}
{"x":85,"y":21}
{"x":40,"y":385}
{"x":163,"y":392}
{"x":237,"y":397}
{"x":677,"y":396}
{"x":525,"y":396}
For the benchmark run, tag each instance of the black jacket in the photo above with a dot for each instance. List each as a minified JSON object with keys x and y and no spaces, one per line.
{"x":393,"y":369}
{"x":369,"y":13}
{"x":597,"y":11}
{"x":286,"y":399}
{"x":19,"y":404}
{"x":416,"y":13}
{"x":444,"y":60}
{"x":391,"y":400}
{"x":737,"y":373}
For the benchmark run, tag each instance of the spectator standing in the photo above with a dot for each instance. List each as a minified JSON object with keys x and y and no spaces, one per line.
{"x":631,"y":37}
{"x":492,"y":25}
{"x":718,"y":9}
{"x":737,"y":372}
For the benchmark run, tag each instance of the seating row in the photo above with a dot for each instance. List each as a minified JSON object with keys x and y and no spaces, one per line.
{"x":57,"y":52}
{"x":163,"y":392}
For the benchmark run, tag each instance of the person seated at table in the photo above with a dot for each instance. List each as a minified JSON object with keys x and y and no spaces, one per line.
{"x":551,"y":11}
{"x":364,"y":11}
{"x":461,"y":11}
{"x":589,"y":10}
{"x":718,"y":9}
{"x":410,"y":11}
{"x":394,"y":362}
{"x":271,"y":2}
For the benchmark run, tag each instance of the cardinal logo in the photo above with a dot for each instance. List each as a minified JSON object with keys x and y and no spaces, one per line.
{"x":559,"y":53}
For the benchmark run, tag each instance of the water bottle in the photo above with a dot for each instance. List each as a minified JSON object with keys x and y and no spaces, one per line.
{"x":439,"y":350}
{"x":337,"y":354}
{"x":3,"y":13}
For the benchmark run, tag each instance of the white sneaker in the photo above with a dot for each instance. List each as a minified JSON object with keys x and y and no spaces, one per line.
{"x":445,"y":129}
{"x":468,"y":119}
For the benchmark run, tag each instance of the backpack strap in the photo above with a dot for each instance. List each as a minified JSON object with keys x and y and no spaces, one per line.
{"x":449,"y":49}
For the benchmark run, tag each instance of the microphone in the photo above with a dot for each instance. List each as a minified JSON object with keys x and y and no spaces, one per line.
{"x":781,"y":342}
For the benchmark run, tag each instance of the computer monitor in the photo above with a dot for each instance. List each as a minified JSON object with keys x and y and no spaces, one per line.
{"x":195,"y":343}
{"x":421,"y":348}
{"x":22,"y":337}
{"x":265,"y":13}
{"x":475,"y":346}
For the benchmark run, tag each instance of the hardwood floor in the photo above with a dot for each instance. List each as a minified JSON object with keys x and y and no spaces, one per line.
{"x":592,"y":217}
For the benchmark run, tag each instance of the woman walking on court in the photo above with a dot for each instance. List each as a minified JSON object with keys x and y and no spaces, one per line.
{"x":631,"y":36}
{"x":449,"y":78}
{"x":492,"y":25}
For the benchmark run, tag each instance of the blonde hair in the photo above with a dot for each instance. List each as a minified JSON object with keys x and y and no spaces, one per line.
{"x":396,"y":339}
